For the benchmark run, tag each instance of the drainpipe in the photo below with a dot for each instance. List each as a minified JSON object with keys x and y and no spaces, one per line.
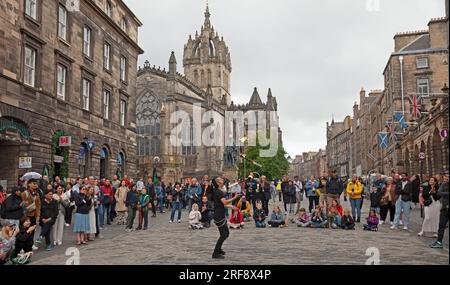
{"x":401,"y":82}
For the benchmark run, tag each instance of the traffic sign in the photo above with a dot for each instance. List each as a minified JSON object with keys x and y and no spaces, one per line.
{"x":444,"y":133}
{"x":422,"y":156}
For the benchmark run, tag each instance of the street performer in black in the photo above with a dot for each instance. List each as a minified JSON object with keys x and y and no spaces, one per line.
{"x":219,"y":215}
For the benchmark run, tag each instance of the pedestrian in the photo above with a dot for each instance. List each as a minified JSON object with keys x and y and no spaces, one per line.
{"x":176,"y":202}
{"x":121,"y":208}
{"x":432,"y":207}
{"x":291,"y":201}
{"x":347,"y":221}
{"x":323,"y":194}
{"x":32,"y":203}
{"x":334,"y":188}
{"x":264,"y":188}
{"x":49,"y":212}
{"x":69,"y":195}
{"x":194,"y":218}
{"x":131,"y":202}
{"x":92,"y":217}
{"x":372,"y":222}
{"x":375,"y":199}
{"x":144,"y":201}
{"x":108,"y":198}
{"x":151,"y":191}
{"x":160,"y":193}
{"x":415,"y":191}
{"x":83,"y":205}
{"x":310,"y":187}
{"x":63,"y":203}
{"x":13,"y":207}
{"x":219,"y":216}
{"x":303,"y":219}
{"x":354,"y":191}
{"x":443,"y":218}
{"x":285,"y":188}
{"x":403,"y":205}
{"x":194,"y":192}
{"x":298,"y":193}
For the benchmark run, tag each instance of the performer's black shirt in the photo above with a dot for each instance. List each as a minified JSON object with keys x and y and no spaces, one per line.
{"x":219,"y":208}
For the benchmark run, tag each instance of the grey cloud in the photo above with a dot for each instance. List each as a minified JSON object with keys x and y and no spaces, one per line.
{"x":314,"y":54}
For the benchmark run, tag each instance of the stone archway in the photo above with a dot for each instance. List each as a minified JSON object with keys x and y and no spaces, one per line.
{"x":437,"y":152}
{"x":415,"y":161}
{"x":407,"y":161}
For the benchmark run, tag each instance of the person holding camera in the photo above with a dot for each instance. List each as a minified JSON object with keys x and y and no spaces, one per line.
{"x":194,"y":193}
{"x":7,"y":239}
{"x":311,"y":192}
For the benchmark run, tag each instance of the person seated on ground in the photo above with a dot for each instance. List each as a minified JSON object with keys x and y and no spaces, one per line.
{"x":335,"y":203}
{"x":303,"y":219}
{"x":334,"y":218}
{"x":205,"y":210}
{"x":372,"y":222}
{"x":259,"y":216}
{"x":347,"y":221}
{"x":194,"y":218}
{"x":7,"y":240}
{"x":319,"y":219}
{"x":277,"y":218}
{"x":236,"y":219}
{"x":244,"y":206}
{"x":24,"y":239}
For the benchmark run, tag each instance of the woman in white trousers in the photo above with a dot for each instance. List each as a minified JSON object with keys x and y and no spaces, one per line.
{"x":58,"y":227}
{"x":432,"y":208}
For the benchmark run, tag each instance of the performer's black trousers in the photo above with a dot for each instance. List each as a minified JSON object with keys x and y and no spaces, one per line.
{"x":224,"y":234}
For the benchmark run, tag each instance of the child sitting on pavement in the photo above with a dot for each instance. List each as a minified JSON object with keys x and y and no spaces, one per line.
{"x":194,"y":218}
{"x":347,"y":221}
{"x":334,"y":219}
{"x":236,"y":219}
{"x":372,"y":222}
{"x":244,"y":206}
{"x":319,"y":220}
{"x":259,"y":216}
{"x":277,"y":218}
{"x":303,"y":219}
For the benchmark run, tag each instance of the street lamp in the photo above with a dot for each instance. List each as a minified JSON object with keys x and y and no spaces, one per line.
{"x":243,"y":141}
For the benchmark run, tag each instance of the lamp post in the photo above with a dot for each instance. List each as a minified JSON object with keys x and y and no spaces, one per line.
{"x":243,"y":141}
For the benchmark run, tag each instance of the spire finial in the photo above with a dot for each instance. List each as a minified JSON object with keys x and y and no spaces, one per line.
{"x":207,"y":14}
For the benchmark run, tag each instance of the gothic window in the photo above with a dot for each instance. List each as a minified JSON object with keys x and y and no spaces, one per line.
{"x":212,"y":48}
{"x":148,"y":121}
{"x":202,"y":79}
{"x":187,"y":135}
{"x":209,"y":77}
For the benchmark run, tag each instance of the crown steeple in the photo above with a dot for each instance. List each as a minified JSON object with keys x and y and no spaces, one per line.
{"x":207,"y":15}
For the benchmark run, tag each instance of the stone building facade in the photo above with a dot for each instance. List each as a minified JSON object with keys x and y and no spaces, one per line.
{"x":417,"y":67}
{"x":205,"y":87}
{"x":68,"y":70}
{"x":339,"y":146}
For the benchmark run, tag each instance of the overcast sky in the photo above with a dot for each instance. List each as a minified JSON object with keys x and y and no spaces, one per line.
{"x":314,"y":54}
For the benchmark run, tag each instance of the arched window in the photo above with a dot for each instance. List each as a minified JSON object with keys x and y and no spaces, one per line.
{"x":187,"y":143}
{"x":148,"y":110}
{"x":202,"y":79}
{"x":104,"y":158}
{"x":209,"y":77}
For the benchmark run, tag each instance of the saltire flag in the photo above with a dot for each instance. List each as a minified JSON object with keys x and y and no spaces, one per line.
{"x":400,"y":118}
{"x":383,"y":140}
{"x":416,"y":106}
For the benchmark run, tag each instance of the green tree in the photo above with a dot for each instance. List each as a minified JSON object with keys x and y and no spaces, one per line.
{"x":272,"y":167}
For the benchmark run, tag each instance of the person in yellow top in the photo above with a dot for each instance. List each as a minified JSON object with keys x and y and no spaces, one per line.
{"x":278,"y":187}
{"x":354,"y":192}
{"x":245,"y":207}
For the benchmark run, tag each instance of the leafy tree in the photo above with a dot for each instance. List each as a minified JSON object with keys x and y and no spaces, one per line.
{"x":272,"y":167}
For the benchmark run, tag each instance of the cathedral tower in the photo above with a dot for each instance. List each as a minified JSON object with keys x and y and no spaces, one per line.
{"x":207,"y":61}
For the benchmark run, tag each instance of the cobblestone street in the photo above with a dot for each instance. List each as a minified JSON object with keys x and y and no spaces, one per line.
{"x":166,"y":244}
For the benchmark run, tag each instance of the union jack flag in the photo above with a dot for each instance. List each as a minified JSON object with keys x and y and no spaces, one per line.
{"x":391,"y":129}
{"x":416,"y":106}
